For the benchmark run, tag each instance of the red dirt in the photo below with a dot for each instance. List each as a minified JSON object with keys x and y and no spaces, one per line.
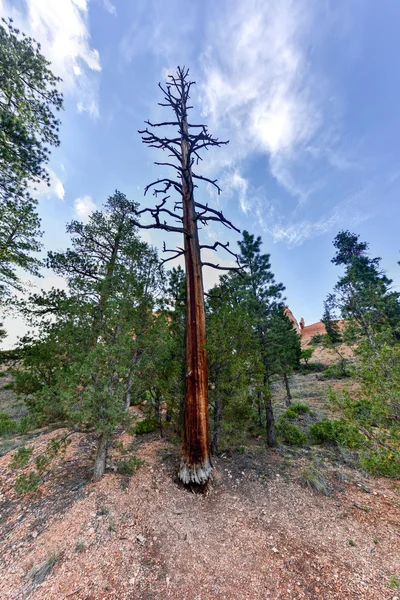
{"x":257,"y":534}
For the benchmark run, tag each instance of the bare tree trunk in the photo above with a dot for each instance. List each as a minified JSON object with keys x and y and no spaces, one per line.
{"x":288,"y":399}
{"x":196,"y":465}
{"x":101,"y":457}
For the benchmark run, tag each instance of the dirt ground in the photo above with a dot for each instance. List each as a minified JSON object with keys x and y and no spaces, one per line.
{"x":258,"y":533}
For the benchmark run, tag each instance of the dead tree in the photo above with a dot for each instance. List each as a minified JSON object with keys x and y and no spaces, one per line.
{"x":183,"y":148}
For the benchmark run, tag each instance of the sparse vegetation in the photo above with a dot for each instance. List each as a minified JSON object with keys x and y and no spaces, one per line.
{"x":129,"y":466}
{"x":394,"y":582}
{"x":315,"y":479}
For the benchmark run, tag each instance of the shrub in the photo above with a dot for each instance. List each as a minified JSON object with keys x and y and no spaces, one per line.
{"x":7,"y":425}
{"x":290,"y":434}
{"x":21,"y":457}
{"x":24,"y":425}
{"x":337,"y":432}
{"x":382,"y":462}
{"x":334,"y":372}
{"x":129,"y":466}
{"x":27,"y":483}
{"x":8,"y":386}
{"x":3,"y":374}
{"x":295,"y":410}
{"x":145,"y":426}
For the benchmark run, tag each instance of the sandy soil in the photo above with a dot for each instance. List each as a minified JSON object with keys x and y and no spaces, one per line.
{"x":258,"y":533}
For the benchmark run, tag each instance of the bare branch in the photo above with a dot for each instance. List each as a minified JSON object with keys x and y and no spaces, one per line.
{"x":218,"y":216}
{"x":168,"y":184}
{"x":213,"y":266}
{"x":224,"y":246}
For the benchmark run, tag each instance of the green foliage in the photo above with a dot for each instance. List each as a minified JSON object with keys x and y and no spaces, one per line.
{"x":295,"y":410}
{"x":28,"y":101}
{"x":8,"y":386}
{"x":145,"y":426}
{"x":394,"y":582}
{"x":335,"y":371}
{"x":3,"y":374}
{"x":21,"y":457}
{"x":290,"y":434}
{"x":363,"y":295}
{"x":7,"y":425}
{"x":306,"y":354}
{"x":382,"y":462}
{"x":338,"y":432}
{"x":130,"y":465}
{"x":26,"y":484}
{"x":24,"y":425}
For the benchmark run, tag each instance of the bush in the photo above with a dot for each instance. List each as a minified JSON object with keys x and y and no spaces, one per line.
{"x":290,"y":434}
{"x":27,"y":483}
{"x":3,"y":374}
{"x":295,"y":410}
{"x":334,"y":372}
{"x":24,"y":425}
{"x":382,"y":462}
{"x":129,"y":466}
{"x":21,"y":457}
{"x":7,"y":425}
{"x":8,"y":386}
{"x":337,"y":432}
{"x":145,"y":426}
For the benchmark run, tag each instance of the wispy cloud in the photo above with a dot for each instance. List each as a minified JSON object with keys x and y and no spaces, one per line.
{"x":257,"y":82}
{"x":56,"y":187}
{"x":61,"y":27}
{"x":83,"y":207}
{"x":296,"y":233}
{"x":109,"y":6}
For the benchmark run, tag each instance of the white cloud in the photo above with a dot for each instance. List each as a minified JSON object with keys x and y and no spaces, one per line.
{"x":61,"y":27}
{"x":296,"y":233}
{"x":109,"y":6}
{"x":56,"y":188}
{"x":240,"y":184}
{"x":83,"y":207}
{"x":257,"y":81}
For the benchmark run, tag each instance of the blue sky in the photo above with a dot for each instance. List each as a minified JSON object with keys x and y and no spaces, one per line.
{"x":307,"y":92}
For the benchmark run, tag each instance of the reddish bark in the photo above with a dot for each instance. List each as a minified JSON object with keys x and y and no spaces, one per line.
{"x":196,"y":465}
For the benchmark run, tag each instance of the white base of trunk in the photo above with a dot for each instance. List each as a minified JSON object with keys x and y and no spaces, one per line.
{"x":199,"y":474}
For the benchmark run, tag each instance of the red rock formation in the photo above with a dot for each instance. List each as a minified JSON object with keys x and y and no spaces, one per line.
{"x":290,"y":316}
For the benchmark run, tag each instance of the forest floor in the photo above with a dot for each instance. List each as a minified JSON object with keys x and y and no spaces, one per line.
{"x":259,"y":532}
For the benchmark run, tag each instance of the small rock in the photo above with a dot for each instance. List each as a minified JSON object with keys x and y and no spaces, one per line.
{"x":140,"y":538}
{"x":275,"y":549}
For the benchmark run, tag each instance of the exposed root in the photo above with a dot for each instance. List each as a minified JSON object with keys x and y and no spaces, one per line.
{"x":198,"y":474}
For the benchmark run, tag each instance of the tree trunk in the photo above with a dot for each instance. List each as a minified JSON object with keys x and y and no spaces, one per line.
{"x":288,"y":399}
{"x":259,"y":408}
{"x":128,"y":396}
{"x":270,"y":421}
{"x":101,"y":457}
{"x":196,"y":465}
{"x":217,"y":426}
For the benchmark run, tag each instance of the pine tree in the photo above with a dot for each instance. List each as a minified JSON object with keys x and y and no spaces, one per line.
{"x":261,"y":296}
{"x":363,"y":295}
{"x":94,"y":339}
{"x":28,"y":128}
{"x":283,"y":348}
